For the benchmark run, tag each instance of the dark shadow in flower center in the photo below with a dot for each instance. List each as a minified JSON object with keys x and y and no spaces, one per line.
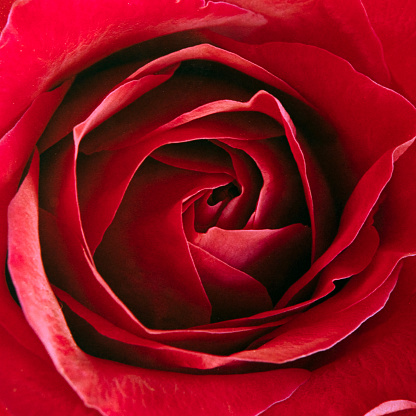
{"x":224,"y":193}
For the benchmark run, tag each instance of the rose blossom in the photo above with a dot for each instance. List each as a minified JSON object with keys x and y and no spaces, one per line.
{"x":208,"y":207}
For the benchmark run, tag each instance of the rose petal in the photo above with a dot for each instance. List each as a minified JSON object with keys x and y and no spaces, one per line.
{"x":227,"y":83}
{"x":29,"y":384}
{"x":320,"y":206}
{"x":281,"y":201}
{"x":17,"y":145}
{"x":348,"y":112}
{"x":232,"y":293}
{"x":148,"y":228}
{"x":395,"y":218}
{"x":373,"y":365}
{"x":100,"y":190}
{"x":163,"y":349}
{"x":102,"y":339}
{"x":15,"y":150}
{"x":390,"y":407}
{"x":68,"y":267}
{"x":273,"y":257}
{"x":56,"y":45}
{"x":238,"y":211}
{"x":341,"y":28}
{"x":198,"y":155}
{"x":354,"y":259}
{"x":356,"y":212}
{"x":87,"y":91}
{"x":95,"y":380}
{"x":121,"y":97}
{"x":393,"y":23}
{"x":328,"y":323}
{"x":156,"y":109}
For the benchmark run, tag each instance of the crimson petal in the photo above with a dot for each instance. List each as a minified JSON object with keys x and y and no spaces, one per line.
{"x":149,"y":215}
{"x":99,"y":382}
{"x":270,"y":256}
{"x":75,"y":40}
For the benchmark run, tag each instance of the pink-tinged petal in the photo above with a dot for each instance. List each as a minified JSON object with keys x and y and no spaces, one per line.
{"x":374,"y":365}
{"x":341,"y":28}
{"x":16,"y":148}
{"x":347,"y":109}
{"x":114,"y":388}
{"x":180,"y":394}
{"x":13,"y":321}
{"x":393,"y":407}
{"x":32,"y":386}
{"x":393,"y":22}
{"x":232,"y":293}
{"x":328,"y":323}
{"x":148,"y":228}
{"x":357,"y":210}
{"x":273,"y":257}
{"x":57,"y":45}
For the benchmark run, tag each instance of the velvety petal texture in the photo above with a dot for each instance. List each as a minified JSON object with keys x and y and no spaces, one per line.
{"x":207,"y":207}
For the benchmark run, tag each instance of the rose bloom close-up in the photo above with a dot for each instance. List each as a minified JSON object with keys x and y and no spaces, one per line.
{"x":207,"y":207}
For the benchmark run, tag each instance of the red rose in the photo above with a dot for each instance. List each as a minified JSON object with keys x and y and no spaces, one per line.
{"x":208,"y":208}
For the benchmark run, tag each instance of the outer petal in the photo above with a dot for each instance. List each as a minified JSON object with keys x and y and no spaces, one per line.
{"x":394,"y":23}
{"x":399,"y":407}
{"x":374,"y":365}
{"x":31,"y":386}
{"x":339,"y":27}
{"x":15,"y":150}
{"x":59,"y":39}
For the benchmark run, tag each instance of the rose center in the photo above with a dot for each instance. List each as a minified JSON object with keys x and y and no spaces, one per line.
{"x":224,"y":193}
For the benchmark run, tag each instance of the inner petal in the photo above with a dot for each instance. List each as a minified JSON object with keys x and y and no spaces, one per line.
{"x":276,"y":258}
{"x":144,"y":255}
